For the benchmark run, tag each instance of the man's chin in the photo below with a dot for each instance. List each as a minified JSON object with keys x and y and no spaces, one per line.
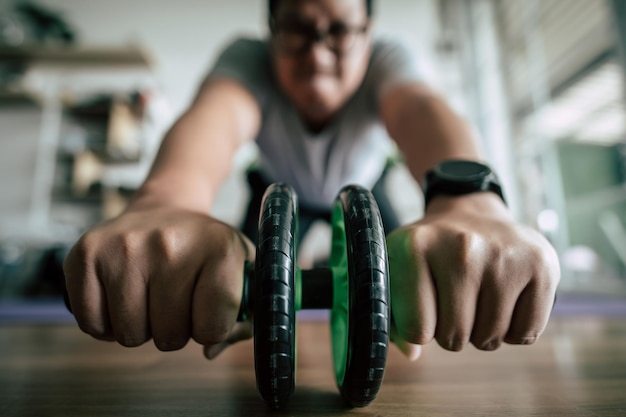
{"x":317,"y":115}
{"x":321,"y":104}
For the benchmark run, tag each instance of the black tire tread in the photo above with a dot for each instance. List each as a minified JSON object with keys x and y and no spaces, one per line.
{"x":274,"y":306}
{"x":369,"y":306}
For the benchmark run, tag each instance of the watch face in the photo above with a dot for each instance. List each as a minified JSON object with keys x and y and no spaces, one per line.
{"x":465,"y":171}
{"x":459,"y":177}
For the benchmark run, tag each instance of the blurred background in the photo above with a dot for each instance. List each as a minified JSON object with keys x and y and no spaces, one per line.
{"x":88,"y":88}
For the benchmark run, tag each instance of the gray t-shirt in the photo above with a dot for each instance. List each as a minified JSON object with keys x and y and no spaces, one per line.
{"x":353,"y":149}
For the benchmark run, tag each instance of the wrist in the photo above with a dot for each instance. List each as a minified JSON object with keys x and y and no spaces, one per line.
{"x":484,"y":203}
{"x":155,"y":195}
{"x":459,"y":177}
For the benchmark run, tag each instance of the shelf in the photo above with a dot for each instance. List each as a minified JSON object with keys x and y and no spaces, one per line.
{"x":93,"y":197}
{"x":128,"y":56}
{"x":17,"y":99}
{"x":88,"y":93}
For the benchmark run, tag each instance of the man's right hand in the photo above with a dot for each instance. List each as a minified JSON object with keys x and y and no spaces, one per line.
{"x":166,"y":273}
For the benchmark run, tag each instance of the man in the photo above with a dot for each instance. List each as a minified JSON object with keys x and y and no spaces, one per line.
{"x":166,"y":270}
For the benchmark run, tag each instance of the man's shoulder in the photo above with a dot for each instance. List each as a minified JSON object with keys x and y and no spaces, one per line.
{"x":244,"y":55}
{"x":385,"y":45}
{"x":247,"y":47}
{"x":249,"y":42}
{"x":245,"y":60}
{"x":392,"y":61}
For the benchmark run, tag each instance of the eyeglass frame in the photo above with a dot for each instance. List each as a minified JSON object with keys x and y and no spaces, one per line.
{"x":312,"y":36}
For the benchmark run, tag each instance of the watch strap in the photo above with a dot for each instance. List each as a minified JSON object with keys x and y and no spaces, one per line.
{"x":436,"y":184}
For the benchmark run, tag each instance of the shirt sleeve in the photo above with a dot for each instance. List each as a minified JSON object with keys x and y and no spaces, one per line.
{"x":246,"y":61}
{"x":391,"y":64}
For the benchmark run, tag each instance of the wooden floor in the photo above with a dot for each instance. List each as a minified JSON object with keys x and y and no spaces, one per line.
{"x":577,"y":369}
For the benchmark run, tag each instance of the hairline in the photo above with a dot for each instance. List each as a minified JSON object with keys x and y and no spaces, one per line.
{"x":272,"y":5}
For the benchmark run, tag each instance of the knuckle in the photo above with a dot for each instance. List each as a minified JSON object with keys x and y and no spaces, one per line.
{"x":82,"y":253}
{"x":131,"y":340}
{"x":539,"y":258}
{"x":542,"y":255}
{"x":129,"y":243}
{"x":169,"y":243}
{"x":223,"y":244}
{"x":488,"y":345}
{"x":544,"y":284}
{"x":212,"y":334}
{"x":464,"y":248}
{"x":418,"y":338}
{"x":523,"y":339}
{"x":97,"y":331}
{"x":550,"y":268}
{"x":87,"y":243}
{"x":541,"y":285}
{"x":503,"y":262}
{"x":170,"y":344}
{"x":504,"y":256}
{"x":417,"y":334}
{"x":417,"y":238}
{"x":536,"y":253}
{"x":224,"y":241}
{"x":454,"y":343}
{"x":466,"y":242}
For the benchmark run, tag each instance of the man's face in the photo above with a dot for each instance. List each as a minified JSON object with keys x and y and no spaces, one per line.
{"x":320,"y":50}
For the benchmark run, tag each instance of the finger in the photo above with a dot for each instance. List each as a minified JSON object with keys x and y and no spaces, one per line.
{"x":241,"y":331}
{"x":86,"y":294}
{"x":531,"y":314}
{"x":506,"y":273}
{"x":534,"y":305}
{"x":493,"y":317}
{"x":457,"y":274}
{"x":248,"y":247}
{"x":175,"y":264}
{"x":218,"y":291}
{"x":413,"y":295}
{"x":128,"y":310}
{"x":170,"y":296}
{"x":410,"y":350}
{"x":456,"y":313}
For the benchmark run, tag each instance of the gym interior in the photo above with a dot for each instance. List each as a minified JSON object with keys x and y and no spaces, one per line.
{"x":89,"y":88}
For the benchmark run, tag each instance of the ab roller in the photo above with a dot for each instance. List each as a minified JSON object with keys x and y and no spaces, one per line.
{"x":354,"y":287}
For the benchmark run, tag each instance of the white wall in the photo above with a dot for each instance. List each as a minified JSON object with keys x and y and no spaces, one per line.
{"x":183,"y":38}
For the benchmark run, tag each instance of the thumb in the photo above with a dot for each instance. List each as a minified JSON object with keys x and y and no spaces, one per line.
{"x":241,"y":331}
{"x":410,"y":350}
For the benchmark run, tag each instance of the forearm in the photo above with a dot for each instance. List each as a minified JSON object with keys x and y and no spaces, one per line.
{"x":427,"y":130}
{"x":197,"y":153}
{"x":188,"y":171}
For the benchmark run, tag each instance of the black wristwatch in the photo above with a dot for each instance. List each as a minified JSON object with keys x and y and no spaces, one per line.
{"x":459,"y":177}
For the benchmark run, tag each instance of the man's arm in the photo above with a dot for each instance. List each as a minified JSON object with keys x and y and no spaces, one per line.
{"x":197,"y":153}
{"x":165,"y":269}
{"x":465,"y":272}
{"x":425,"y":128}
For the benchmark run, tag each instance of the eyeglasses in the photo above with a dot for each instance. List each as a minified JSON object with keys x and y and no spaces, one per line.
{"x":294,"y":37}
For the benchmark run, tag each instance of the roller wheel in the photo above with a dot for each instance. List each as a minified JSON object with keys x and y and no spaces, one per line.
{"x":274,"y":296}
{"x":360,"y":317}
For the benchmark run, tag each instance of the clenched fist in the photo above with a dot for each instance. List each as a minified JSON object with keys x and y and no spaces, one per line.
{"x":163,"y":273}
{"x":467,"y":273}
